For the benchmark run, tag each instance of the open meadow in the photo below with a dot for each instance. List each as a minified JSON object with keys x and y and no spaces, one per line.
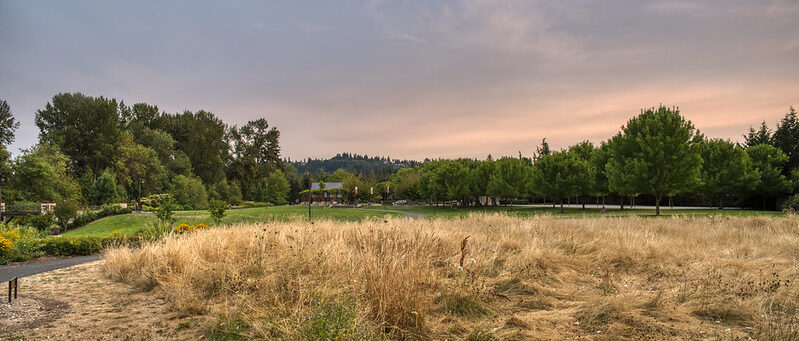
{"x":484,"y":277}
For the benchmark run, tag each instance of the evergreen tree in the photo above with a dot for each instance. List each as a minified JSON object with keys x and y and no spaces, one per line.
{"x":756,"y":137}
{"x":767,"y":162}
{"x":786,"y":138}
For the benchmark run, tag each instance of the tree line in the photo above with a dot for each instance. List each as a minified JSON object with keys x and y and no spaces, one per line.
{"x":658,"y":154}
{"x":97,"y":150}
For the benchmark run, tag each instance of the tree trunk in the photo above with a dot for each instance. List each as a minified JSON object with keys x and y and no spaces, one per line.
{"x":657,"y":205}
{"x":764,"y":201}
{"x":561,"y":205}
{"x":621,"y":203}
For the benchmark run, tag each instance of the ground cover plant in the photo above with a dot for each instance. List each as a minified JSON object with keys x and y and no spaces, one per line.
{"x":488,"y":276}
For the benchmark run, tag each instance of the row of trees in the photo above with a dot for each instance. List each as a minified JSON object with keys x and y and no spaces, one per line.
{"x":96,"y":150}
{"x":658,"y":154}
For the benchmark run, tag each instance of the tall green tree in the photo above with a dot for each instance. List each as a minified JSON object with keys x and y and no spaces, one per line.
{"x":767,"y":162}
{"x":202,"y":137}
{"x":41,"y":173}
{"x":511,"y":179}
{"x":786,"y":138}
{"x":86,"y":129}
{"x":655,"y":153}
{"x":726,"y":170}
{"x":255,"y":152}
{"x":278,"y":188}
{"x":561,"y":175}
{"x":760,"y":136}
{"x":138,"y":168}
{"x":585,"y":151}
{"x":8,"y":125}
{"x":105,"y":189}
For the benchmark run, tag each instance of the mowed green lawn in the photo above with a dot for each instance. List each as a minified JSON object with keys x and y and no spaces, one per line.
{"x":129,"y":224}
{"x":522,"y":211}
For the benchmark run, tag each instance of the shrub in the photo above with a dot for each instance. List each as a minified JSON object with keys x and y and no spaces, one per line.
{"x":41,"y":222}
{"x":190,"y":228}
{"x":25,"y":240}
{"x":164,"y":213}
{"x":66,"y":211}
{"x":217,"y":209}
{"x":71,"y":246}
{"x":155,"y":231}
{"x":154,"y":201}
{"x":792,"y":204}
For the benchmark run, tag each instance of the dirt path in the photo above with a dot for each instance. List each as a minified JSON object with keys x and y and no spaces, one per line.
{"x":79,"y":303}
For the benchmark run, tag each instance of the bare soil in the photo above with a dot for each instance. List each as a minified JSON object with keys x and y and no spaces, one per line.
{"x":79,"y":303}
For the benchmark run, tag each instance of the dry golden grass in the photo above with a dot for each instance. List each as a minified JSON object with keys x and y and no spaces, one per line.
{"x":536,"y":278}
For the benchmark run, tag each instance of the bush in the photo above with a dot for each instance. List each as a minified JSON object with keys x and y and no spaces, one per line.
{"x":82,"y":246}
{"x":792,"y":204}
{"x":154,"y":201}
{"x":66,"y":211}
{"x":71,"y":246}
{"x":41,"y":222}
{"x":217,"y":209}
{"x":164,"y":213}
{"x":25,"y":240}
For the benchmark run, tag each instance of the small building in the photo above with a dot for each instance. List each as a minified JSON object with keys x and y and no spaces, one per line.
{"x":331,"y":193}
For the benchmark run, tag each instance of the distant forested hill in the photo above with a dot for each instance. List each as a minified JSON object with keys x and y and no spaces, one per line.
{"x":355,"y":163}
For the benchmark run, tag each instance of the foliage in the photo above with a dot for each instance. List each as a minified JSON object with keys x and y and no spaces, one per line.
{"x":278,"y":188}
{"x":560,"y":175}
{"x":726,"y":170}
{"x":89,"y":216}
{"x":41,"y":173}
{"x":137,"y":167}
{"x":256,"y":153}
{"x":156,"y":230}
{"x":165,"y":212}
{"x":767,"y":163}
{"x":189,"y":191}
{"x":786,"y":138}
{"x":86,"y":129}
{"x":655,"y":153}
{"x":8,"y":125}
{"x":41,"y":222}
{"x":217,"y":209}
{"x":105,"y":190}
{"x":65,"y":211}
{"x":760,"y":136}
{"x":792,"y":203}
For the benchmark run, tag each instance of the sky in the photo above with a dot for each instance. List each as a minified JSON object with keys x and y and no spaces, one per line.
{"x":411,"y":79}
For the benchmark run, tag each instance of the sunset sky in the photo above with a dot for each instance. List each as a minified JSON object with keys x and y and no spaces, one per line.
{"x":411,"y":79}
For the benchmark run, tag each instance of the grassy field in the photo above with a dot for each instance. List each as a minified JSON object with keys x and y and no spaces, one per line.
{"x":485,"y":277}
{"x":131,"y":223}
{"x":521,"y":211}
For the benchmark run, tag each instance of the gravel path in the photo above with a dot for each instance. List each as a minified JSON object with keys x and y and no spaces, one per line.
{"x":8,"y":273}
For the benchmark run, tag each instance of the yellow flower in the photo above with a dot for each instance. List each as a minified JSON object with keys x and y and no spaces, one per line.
{"x":202,"y":226}
{"x":5,"y":245}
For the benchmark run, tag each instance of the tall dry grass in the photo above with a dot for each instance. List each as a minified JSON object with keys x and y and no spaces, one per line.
{"x":538,"y":278}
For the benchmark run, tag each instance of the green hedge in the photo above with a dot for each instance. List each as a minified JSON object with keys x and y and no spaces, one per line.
{"x":82,"y":246}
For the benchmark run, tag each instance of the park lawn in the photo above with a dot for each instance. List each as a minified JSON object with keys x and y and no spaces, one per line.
{"x":525,"y":211}
{"x":129,"y":224}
